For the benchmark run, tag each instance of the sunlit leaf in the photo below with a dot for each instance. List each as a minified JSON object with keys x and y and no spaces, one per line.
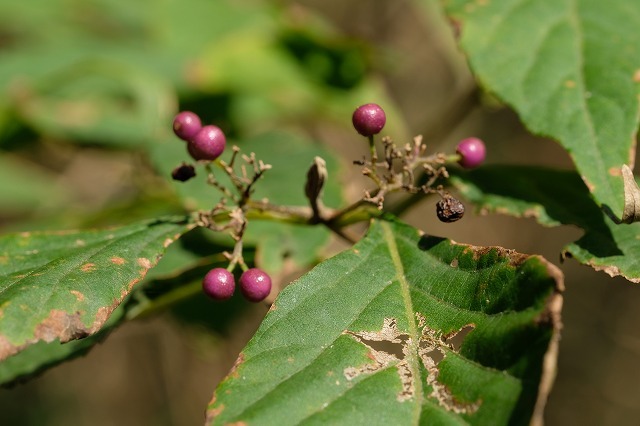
{"x":570,"y":69}
{"x":402,"y":329}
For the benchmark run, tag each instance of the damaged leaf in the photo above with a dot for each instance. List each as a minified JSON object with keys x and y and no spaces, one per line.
{"x":433,"y":331}
{"x":570,"y":70}
{"x":39,"y":356}
{"x":65,"y":285}
{"x":556,"y":197}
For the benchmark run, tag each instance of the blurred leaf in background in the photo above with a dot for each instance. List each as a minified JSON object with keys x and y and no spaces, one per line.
{"x":111,"y":74}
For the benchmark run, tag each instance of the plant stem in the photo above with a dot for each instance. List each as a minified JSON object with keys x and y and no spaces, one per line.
{"x":148,"y":308}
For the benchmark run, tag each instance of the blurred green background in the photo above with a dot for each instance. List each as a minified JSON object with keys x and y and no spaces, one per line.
{"x":88,"y":90}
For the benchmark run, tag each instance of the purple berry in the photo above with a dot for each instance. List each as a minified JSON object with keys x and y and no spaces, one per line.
{"x":219,"y":284}
{"x":255,"y":284}
{"x":207,"y":144}
{"x":472,"y":152}
{"x":186,"y":125}
{"x":369,"y":119}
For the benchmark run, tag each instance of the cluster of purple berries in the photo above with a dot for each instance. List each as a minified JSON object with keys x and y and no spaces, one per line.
{"x":219,"y":284}
{"x":208,"y":143}
{"x":203,"y":142}
{"x":369,"y":119}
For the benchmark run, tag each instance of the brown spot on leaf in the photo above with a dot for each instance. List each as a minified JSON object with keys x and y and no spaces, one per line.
{"x":236,"y":365}
{"x":569,"y":84}
{"x":88,"y":267}
{"x":79,"y":296}
{"x":513,"y":257}
{"x":636,"y":76}
{"x":7,"y":348}
{"x":144,"y":262}
{"x":102,"y":315}
{"x":212,"y":413}
{"x":118,"y":260}
{"x":615,"y":171}
{"x":60,"y":325}
{"x":4,"y":260}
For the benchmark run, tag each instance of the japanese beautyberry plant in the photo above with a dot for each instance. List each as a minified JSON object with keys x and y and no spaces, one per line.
{"x":401,"y":327}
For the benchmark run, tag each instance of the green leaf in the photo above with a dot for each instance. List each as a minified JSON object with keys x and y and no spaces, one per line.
{"x":65,"y":285}
{"x":98,"y":101}
{"x":570,"y":69}
{"x":556,"y":197}
{"x":291,"y":156}
{"x":432,"y":331}
{"x":175,"y":281}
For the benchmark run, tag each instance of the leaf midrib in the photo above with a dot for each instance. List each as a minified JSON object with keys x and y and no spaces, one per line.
{"x":412,"y":349}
